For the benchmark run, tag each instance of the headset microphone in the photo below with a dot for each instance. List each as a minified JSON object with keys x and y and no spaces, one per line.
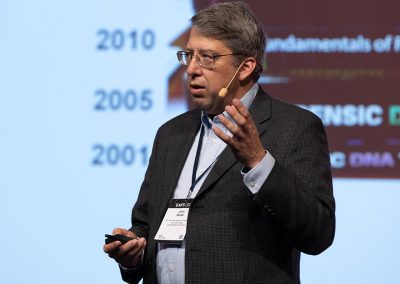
{"x":224,"y":91}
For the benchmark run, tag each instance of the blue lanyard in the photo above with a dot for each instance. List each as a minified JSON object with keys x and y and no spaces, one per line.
{"x":196,"y":164}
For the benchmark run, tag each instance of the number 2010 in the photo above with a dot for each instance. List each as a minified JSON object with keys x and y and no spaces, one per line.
{"x":118,"y":39}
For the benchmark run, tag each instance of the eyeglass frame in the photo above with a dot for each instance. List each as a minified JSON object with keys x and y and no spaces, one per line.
{"x":180,"y":55}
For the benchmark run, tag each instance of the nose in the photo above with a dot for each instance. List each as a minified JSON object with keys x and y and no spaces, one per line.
{"x":193,"y":67}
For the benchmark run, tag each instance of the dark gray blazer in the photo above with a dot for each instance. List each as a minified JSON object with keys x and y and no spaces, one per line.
{"x":232,"y":235}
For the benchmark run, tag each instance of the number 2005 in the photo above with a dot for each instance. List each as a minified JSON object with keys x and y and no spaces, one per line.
{"x":117,"y":100}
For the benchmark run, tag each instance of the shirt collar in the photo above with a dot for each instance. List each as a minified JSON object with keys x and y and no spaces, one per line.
{"x":247,"y":100}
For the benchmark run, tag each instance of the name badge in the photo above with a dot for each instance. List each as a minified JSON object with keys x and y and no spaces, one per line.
{"x":173,"y":226}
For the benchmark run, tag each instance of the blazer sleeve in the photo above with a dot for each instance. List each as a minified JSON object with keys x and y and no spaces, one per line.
{"x":298,"y":193}
{"x":140,"y":218}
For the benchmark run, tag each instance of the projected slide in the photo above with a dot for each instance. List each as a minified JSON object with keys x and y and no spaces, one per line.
{"x":86,"y":84}
{"x":340,"y":60}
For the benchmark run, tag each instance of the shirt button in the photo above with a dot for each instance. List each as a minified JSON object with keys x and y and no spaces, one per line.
{"x":252,"y":184}
{"x":171,"y":268}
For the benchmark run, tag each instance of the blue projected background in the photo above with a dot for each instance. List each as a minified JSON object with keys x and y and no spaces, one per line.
{"x":84,"y":87}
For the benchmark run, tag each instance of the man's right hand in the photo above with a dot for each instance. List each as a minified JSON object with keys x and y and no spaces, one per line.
{"x":129,"y":254}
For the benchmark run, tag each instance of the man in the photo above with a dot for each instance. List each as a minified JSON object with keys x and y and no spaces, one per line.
{"x":254,"y":170}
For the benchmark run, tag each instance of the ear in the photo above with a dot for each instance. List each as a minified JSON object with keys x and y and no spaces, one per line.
{"x":247,"y":68}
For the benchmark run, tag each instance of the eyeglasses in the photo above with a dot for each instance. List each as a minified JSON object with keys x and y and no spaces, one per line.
{"x":206,"y":60}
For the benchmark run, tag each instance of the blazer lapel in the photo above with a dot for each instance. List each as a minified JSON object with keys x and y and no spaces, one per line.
{"x":178,"y":150}
{"x":260,"y":111}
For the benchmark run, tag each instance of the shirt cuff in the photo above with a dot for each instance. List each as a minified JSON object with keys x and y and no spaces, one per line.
{"x":256,"y":176}
{"x":131,"y":269}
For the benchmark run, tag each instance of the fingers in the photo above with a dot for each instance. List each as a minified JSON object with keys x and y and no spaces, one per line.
{"x":241,"y":110}
{"x":128,"y":254}
{"x":241,"y":125}
{"x":111,"y":247}
{"x":239,"y":119}
{"x":235,"y":129}
{"x":129,"y":251}
{"x":245,"y":141}
{"x":223,"y":136}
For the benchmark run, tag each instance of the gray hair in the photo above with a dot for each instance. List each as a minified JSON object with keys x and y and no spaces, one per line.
{"x":235,"y":25}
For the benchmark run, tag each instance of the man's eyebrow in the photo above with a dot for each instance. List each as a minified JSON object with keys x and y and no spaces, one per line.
{"x":201,"y":50}
{"x":207,"y":51}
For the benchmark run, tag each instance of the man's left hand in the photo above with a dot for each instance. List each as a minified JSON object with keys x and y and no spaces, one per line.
{"x":245,"y":142}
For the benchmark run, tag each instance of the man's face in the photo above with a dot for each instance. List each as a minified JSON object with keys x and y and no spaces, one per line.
{"x":205,"y":83}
